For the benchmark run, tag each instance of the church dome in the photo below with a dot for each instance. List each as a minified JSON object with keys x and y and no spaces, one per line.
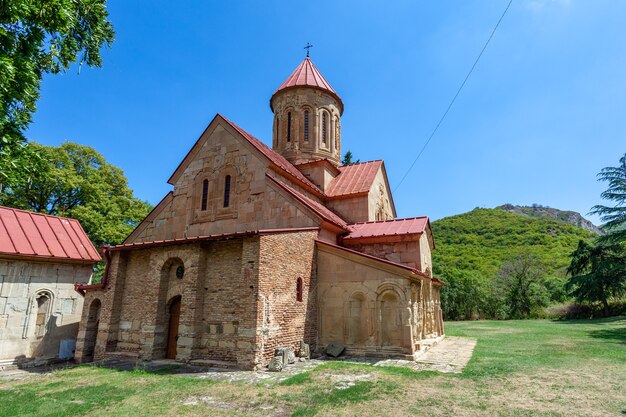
{"x":307,"y":117}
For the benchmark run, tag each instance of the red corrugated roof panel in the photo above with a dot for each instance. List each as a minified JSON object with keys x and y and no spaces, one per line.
{"x":30,"y":229}
{"x":27,"y":234}
{"x":354,"y":179}
{"x":15,"y":232}
{"x":47,"y":234}
{"x":397,"y":227}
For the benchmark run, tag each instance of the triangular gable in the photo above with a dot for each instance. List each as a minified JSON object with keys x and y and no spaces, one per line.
{"x":389,"y":193}
{"x":277,"y":161}
{"x":318,"y":209}
{"x":158,"y":209}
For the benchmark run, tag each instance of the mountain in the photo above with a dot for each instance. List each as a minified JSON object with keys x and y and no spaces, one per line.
{"x":482,"y":239}
{"x":565,"y":216}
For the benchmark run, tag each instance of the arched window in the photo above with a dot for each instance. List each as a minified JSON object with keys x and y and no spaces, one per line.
{"x":227,"y":191}
{"x":205,"y":194}
{"x":324,"y":129}
{"x":337,"y":133}
{"x":306,"y":125}
{"x":289,"y":127}
{"x":299,"y":290}
{"x":43,"y":314}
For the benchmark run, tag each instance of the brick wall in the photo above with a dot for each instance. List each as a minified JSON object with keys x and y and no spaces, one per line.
{"x":282,"y":320}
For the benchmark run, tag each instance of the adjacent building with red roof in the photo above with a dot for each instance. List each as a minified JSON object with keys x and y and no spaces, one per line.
{"x":42,"y":257}
{"x":258,"y":248}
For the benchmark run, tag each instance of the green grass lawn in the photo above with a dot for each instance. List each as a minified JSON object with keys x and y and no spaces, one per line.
{"x":519,"y":368}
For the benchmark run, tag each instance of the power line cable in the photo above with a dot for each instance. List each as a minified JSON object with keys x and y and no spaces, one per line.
{"x":455,"y":96}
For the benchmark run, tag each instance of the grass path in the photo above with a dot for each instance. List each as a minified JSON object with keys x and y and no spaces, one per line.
{"x":519,"y":368}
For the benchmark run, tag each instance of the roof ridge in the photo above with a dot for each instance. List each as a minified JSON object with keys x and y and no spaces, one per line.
{"x":304,"y":200}
{"x":390,"y":220}
{"x":38,"y":213}
{"x":362,"y":163}
{"x":258,"y":143}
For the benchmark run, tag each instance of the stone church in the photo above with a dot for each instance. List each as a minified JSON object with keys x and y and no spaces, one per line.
{"x":257,"y":248}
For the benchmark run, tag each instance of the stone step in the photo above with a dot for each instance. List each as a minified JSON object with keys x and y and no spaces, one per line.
{"x":213,"y":363}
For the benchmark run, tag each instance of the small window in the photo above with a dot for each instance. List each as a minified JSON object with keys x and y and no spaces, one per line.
{"x":337,"y":133}
{"x":289,"y":127}
{"x":205,"y":194}
{"x":299,"y":290}
{"x":324,"y":130}
{"x":306,"y":125}
{"x":227,"y":191}
{"x":180,"y":272}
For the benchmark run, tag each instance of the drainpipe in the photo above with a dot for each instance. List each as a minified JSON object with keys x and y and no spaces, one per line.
{"x":81,"y":288}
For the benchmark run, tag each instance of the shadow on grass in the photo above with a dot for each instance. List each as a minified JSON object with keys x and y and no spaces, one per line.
{"x":618,"y":334}
{"x":598,"y":321}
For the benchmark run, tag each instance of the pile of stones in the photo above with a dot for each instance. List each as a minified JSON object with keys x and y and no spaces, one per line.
{"x":284,"y":356}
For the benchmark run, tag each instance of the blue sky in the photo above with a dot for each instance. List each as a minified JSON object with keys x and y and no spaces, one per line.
{"x":543,"y":112}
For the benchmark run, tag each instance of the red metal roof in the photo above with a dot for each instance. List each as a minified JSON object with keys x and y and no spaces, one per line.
{"x":210,"y":237}
{"x":307,"y":75}
{"x":375,"y":258}
{"x":276,"y":158}
{"x":397,"y":227}
{"x":36,"y":235}
{"x":324,"y":212}
{"x":354,"y":179}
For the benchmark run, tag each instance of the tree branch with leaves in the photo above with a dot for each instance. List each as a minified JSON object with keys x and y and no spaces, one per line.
{"x":40,"y":37}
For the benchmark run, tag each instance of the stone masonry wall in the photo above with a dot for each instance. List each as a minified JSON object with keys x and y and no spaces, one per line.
{"x":218,"y":303}
{"x":253,"y":204}
{"x":282,"y":320}
{"x":21,"y":282}
{"x":406,"y":253}
{"x":371,"y":309}
{"x":230,"y":308}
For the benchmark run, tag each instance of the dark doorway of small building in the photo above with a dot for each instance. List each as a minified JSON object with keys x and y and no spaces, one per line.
{"x":172,"y":328}
{"x":91,"y":330}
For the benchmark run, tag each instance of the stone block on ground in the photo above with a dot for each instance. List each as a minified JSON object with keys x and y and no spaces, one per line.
{"x":284,"y":353}
{"x":305,"y":350}
{"x":276,"y":364}
{"x":335,"y":349}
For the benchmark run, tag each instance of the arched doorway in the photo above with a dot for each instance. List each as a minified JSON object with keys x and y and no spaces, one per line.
{"x":172,"y":328}
{"x":91,"y":331}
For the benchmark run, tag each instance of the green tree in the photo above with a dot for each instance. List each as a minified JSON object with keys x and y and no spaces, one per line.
{"x":40,"y":37}
{"x":518,"y":283}
{"x":464,"y":294}
{"x":615,"y":216}
{"x":598,"y":273}
{"x":347,"y":159}
{"x":76,"y":181}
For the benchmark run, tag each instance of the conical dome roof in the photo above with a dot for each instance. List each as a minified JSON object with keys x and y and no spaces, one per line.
{"x":307,"y":75}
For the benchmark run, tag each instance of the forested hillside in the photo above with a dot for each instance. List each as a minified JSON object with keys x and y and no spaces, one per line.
{"x":480,"y":253}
